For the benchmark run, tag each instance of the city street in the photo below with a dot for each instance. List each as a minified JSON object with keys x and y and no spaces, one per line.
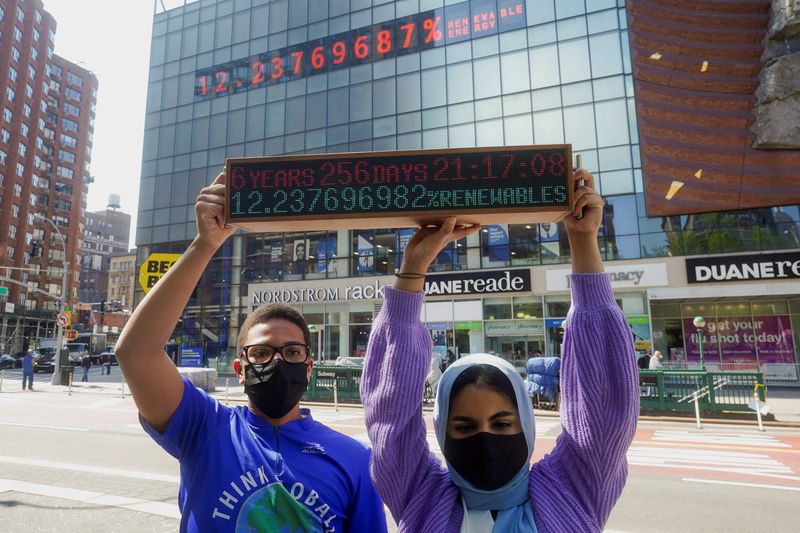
{"x":81,"y":462}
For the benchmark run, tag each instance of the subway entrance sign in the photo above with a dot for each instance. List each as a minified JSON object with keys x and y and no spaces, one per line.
{"x":154,"y":268}
{"x":518,"y":184}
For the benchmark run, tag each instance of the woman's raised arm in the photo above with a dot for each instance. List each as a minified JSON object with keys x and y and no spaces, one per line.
{"x":398,"y":356}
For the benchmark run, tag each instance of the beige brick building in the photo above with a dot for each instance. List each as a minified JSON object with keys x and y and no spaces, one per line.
{"x":121,"y":277}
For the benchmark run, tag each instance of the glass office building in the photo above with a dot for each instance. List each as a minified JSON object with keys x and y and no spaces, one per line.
{"x":232,"y":78}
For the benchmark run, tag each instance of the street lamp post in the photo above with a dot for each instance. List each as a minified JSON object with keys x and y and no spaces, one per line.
{"x":700,"y":322}
{"x":56,"y":380}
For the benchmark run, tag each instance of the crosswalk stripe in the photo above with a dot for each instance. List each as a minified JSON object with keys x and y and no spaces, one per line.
{"x":168,"y":510}
{"x":720,"y":438}
{"x":740,"y":484}
{"x":710,"y":460}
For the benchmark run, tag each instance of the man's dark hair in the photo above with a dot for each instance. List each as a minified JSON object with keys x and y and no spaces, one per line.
{"x":484,"y":376}
{"x":267,"y":312}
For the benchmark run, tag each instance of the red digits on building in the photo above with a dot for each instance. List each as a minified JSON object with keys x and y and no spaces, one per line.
{"x":361,"y":48}
{"x":258,"y":73}
{"x":277,"y":67}
{"x":409,"y":29}
{"x":384,"y":45}
{"x":318,"y":58}
{"x":297,"y":57}
{"x":222,"y":81}
{"x":339,"y":51}
{"x":203,"y":85}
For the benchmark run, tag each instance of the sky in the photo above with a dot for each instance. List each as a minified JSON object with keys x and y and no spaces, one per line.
{"x":112,"y":39}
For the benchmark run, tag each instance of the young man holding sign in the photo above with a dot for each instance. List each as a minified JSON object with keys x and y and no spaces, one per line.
{"x":264,"y":467}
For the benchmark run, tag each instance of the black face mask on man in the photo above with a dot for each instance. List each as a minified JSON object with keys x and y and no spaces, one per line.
{"x":487,"y":460}
{"x":275,"y":387}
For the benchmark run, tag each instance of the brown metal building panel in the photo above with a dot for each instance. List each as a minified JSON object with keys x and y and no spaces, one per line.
{"x":695,"y":120}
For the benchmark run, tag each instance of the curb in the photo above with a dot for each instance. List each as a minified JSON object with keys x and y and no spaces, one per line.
{"x":241,"y":398}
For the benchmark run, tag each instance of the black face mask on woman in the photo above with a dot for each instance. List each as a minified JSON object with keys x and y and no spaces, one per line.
{"x":487,"y":460}
{"x":275,"y":387}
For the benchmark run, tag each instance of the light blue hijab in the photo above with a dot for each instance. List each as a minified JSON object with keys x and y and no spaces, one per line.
{"x":513,"y":499}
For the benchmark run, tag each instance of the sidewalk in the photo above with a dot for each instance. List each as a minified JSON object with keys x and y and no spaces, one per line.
{"x":784,"y":404}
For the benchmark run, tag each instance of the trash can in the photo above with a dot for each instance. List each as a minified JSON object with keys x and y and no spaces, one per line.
{"x":66,"y":374}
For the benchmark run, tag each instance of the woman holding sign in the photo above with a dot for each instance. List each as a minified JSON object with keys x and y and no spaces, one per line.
{"x":483,"y":418}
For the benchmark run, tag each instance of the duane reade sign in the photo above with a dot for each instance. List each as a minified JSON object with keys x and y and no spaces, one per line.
{"x":623,"y":276}
{"x":743,"y":267}
{"x":450,"y":284}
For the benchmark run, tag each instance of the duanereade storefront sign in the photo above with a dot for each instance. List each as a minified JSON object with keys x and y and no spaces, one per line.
{"x":450,"y":284}
{"x":743,"y":267}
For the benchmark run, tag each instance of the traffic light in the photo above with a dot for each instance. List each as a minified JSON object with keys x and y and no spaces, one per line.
{"x":36,"y":249}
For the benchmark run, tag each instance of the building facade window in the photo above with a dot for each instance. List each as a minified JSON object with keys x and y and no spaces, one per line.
{"x":74,"y":79}
{"x":64,"y":155}
{"x":72,"y":109}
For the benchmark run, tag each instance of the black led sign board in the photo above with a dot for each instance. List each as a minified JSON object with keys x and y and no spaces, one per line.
{"x":452,"y":24}
{"x":519,"y":184}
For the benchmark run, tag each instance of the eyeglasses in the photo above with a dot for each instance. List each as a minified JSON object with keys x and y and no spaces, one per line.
{"x":291,"y":352}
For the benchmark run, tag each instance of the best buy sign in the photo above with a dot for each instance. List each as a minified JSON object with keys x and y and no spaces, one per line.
{"x":154,"y":268}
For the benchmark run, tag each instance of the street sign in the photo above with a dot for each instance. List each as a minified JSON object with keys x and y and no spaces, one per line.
{"x":154,"y":268}
{"x":62,"y":319}
{"x":3,"y":291}
{"x":72,"y":334}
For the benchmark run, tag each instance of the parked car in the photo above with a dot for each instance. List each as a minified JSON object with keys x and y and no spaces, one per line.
{"x":6,"y":361}
{"x":77,"y":351}
{"x":44,"y":360}
{"x":109,"y":355}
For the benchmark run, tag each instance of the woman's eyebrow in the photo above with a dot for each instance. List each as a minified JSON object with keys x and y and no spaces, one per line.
{"x":461,"y":418}
{"x":501,"y":414}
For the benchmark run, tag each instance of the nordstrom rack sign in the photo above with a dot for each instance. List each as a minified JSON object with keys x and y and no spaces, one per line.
{"x":344,"y":290}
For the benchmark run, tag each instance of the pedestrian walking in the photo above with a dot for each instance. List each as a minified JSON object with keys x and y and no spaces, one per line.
{"x":655,"y":361}
{"x":266,"y":466}
{"x":483,"y":418}
{"x":107,"y":364}
{"x":86,"y":364}
{"x":27,"y":370}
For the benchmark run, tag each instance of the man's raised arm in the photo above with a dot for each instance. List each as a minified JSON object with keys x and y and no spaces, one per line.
{"x":155,"y":384}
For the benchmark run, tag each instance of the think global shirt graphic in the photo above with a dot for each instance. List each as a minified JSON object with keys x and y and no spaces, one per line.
{"x":273,"y":509}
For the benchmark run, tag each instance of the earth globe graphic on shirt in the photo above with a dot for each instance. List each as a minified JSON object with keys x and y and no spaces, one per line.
{"x":272,"y":509}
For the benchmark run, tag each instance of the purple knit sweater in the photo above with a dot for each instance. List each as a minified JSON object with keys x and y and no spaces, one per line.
{"x":574,"y":488}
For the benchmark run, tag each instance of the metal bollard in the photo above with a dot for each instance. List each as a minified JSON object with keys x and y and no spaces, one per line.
{"x":226,"y":389}
{"x":697,"y":411}
{"x":335,"y":396}
{"x":758,"y":409}
{"x":69,"y":384}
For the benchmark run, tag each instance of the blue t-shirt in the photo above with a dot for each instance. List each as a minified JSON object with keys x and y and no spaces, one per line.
{"x":239,"y":473}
